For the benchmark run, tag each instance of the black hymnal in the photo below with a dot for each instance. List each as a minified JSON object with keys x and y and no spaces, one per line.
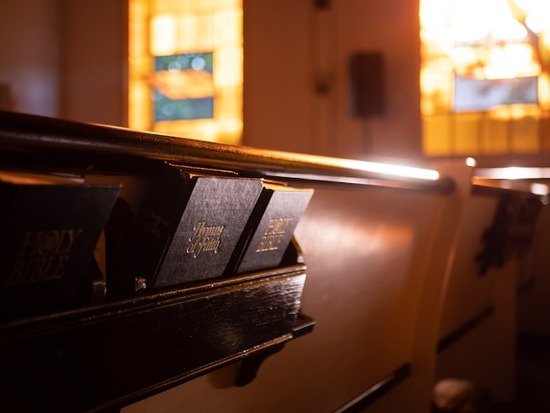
{"x":191,"y":224}
{"x":49,"y":232}
{"x":120,"y":230}
{"x":270,"y":228}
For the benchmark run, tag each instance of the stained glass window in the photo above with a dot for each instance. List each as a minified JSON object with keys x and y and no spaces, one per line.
{"x":183,"y":87}
{"x":485,"y":76}
{"x":186,"y":68}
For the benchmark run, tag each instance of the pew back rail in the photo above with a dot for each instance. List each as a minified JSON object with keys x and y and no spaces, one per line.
{"x":112,"y":354}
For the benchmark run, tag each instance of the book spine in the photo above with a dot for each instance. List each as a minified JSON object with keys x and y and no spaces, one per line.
{"x":273,"y":232}
{"x":158,"y":220}
{"x":50,"y":236}
{"x":248,"y":232}
{"x":210,"y":227}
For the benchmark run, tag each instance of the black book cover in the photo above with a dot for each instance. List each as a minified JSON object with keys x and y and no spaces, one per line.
{"x":270,"y":228}
{"x":191,"y":226}
{"x":139,"y":188}
{"x":49,"y":233}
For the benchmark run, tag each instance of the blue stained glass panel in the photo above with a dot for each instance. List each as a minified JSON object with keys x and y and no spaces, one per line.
{"x":183,"y":87}
{"x":472,"y":95}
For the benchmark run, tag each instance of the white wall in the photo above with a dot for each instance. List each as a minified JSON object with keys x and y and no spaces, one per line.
{"x":65,"y":58}
{"x":30,"y":54}
{"x":288,"y":44}
{"x":94,"y":65}
{"x":277,"y":75}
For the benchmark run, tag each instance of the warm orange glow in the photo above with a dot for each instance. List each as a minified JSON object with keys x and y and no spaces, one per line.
{"x":139,"y":103}
{"x":482,"y":38}
{"x":170,"y":28}
{"x":178,"y":84}
{"x":163,"y":35}
{"x":389,"y":169}
{"x":484,"y":41}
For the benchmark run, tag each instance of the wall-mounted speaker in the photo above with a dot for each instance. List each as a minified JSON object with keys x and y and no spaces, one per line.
{"x":367,"y":84}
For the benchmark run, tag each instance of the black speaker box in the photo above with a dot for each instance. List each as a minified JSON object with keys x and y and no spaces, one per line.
{"x":367,"y":84}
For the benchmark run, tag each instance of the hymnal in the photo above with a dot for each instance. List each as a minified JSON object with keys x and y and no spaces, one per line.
{"x":270,"y":228}
{"x":190,"y":225}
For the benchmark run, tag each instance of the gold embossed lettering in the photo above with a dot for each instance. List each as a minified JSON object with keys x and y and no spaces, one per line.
{"x":43,"y":255}
{"x":204,"y":238}
{"x":272,"y":237}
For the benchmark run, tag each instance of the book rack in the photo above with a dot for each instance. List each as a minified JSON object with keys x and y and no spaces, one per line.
{"x":110,"y":355}
{"x":104,"y":356}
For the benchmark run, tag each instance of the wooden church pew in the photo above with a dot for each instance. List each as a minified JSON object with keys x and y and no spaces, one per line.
{"x":376,"y":257}
{"x":384,"y":254}
{"x":477,"y":333}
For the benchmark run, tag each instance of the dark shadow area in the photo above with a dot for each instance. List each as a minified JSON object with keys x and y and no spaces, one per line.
{"x":532,"y":376}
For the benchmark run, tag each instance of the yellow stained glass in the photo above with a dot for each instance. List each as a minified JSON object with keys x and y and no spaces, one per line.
{"x":186,"y":64}
{"x":485,"y":75}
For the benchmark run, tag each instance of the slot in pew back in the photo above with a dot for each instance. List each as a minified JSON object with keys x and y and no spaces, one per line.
{"x":376,"y":261}
{"x":377,"y":251}
{"x":477,"y":333}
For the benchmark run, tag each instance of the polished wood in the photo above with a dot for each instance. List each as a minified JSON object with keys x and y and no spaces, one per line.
{"x":109,"y":351}
{"x":113,"y":344}
{"x":373,"y":393}
{"x":85,"y":146}
{"x":113,"y":354}
{"x":465,"y":328}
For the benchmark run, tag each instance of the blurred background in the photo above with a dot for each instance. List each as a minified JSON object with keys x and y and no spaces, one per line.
{"x":399,"y":78}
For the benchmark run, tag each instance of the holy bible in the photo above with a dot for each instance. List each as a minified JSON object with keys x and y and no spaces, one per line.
{"x":190,"y":224}
{"x":270,"y":228}
{"x":49,"y":232}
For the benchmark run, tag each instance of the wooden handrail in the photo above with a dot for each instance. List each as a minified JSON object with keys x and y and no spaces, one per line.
{"x":90,"y":145}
